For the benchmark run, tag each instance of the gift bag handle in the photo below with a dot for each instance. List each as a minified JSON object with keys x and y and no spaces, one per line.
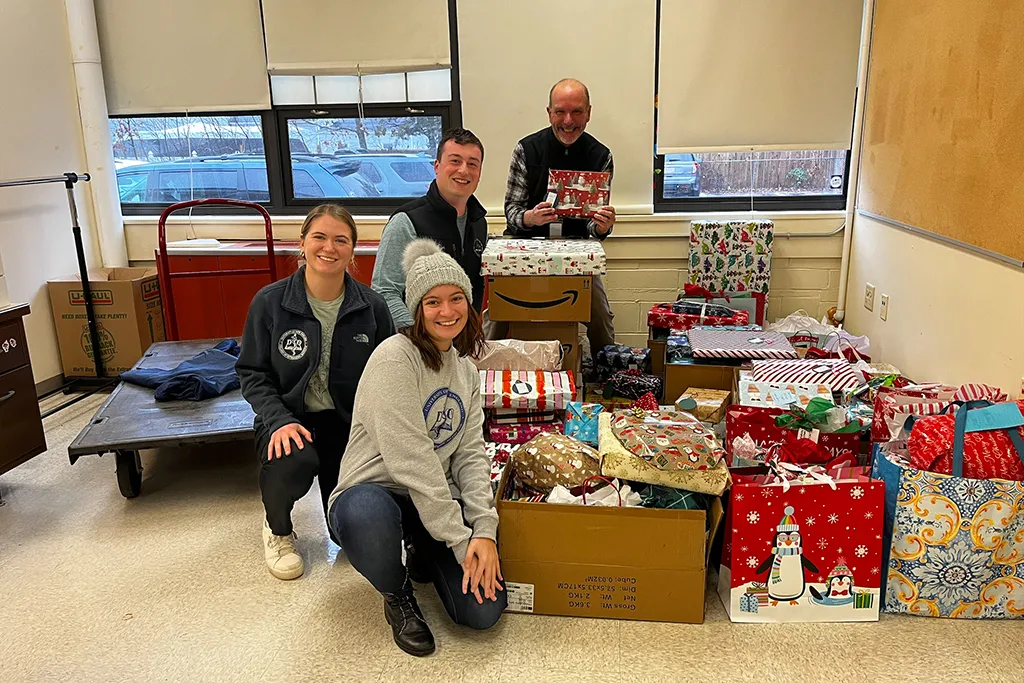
{"x":604,"y":479}
{"x":961,"y":430}
{"x":839,"y":345}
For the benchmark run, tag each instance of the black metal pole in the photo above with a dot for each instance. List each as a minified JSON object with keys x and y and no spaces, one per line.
{"x":83,"y":271}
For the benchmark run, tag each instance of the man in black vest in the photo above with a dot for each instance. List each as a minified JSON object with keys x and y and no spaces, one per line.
{"x":564,"y":146}
{"x":449,"y":214}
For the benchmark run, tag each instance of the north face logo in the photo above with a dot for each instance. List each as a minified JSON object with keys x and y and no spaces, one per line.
{"x":361,"y":339}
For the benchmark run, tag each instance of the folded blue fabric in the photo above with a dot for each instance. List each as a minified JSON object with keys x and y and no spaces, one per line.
{"x":205,"y":375}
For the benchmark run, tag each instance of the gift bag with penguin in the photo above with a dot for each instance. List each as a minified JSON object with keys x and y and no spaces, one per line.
{"x":802,"y":545}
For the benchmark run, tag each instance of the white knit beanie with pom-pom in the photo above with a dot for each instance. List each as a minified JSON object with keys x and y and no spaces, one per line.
{"x":426,"y":267}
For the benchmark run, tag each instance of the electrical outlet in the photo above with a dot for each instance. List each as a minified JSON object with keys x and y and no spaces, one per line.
{"x":883,"y":309}
{"x":869,"y":297}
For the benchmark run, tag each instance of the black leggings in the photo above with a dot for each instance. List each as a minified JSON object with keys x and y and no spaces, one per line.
{"x":286,"y":479}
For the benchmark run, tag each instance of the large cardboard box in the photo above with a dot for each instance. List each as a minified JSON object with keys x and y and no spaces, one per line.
{"x":567,"y":334}
{"x":540,"y":298}
{"x":617,"y":563}
{"x":129,"y":317}
{"x":681,"y":376}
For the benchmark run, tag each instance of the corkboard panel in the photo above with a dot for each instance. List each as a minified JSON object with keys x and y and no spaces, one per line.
{"x":944,"y":120}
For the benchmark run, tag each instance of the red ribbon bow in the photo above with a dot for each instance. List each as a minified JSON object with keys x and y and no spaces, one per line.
{"x":696,"y":290}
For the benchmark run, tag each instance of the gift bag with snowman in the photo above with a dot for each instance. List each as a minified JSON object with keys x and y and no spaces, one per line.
{"x":803,"y":544}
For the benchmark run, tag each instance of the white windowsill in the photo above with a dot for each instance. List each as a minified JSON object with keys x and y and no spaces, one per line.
{"x":294,"y":219}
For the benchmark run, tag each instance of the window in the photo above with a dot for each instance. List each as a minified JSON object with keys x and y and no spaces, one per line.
{"x":368,"y":140}
{"x":367,"y":159}
{"x":803,"y":179}
{"x":166,"y":159}
{"x":703,"y":103}
{"x":289,"y":158}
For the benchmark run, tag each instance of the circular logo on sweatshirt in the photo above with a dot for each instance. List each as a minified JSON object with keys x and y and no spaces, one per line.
{"x":445,"y":415}
{"x":293,"y":344}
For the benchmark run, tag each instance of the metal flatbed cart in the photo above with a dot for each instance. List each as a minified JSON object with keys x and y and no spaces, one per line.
{"x":132,"y":420}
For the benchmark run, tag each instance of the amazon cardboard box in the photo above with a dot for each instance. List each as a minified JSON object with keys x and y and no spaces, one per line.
{"x":129,"y":317}
{"x":540,"y":298}
{"x":617,"y":563}
{"x":567,"y":334}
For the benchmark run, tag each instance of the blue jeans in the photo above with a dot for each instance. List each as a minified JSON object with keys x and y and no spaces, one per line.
{"x":371,"y":523}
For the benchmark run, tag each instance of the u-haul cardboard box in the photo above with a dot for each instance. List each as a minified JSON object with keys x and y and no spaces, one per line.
{"x":129,"y":317}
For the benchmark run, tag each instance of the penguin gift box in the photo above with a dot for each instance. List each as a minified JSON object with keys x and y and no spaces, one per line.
{"x":803,"y":546}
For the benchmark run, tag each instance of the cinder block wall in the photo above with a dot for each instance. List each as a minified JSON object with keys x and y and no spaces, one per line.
{"x":647,"y":258}
{"x":646,"y":269}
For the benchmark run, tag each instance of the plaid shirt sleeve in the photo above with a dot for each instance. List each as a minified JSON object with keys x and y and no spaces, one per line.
{"x":608,"y":167}
{"x":516,"y":191}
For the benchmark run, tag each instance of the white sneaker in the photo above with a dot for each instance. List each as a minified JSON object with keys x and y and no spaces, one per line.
{"x":283,"y":560}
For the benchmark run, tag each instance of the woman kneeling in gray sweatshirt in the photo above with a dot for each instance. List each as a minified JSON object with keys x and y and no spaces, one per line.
{"x":415,"y":467}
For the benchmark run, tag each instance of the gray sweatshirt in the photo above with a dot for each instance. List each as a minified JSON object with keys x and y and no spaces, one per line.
{"x":388,"y":278}
{"x":420,"y":433}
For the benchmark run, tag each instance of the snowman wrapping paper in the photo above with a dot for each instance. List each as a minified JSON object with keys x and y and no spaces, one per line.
{"x":803,"y":551}
{"x":550,"y":460}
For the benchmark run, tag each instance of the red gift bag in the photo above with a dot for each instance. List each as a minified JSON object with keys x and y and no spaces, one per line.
{"x":894,"y":405}
{"x":759,"y":423}
{"x":987,"y":454}
{"x":803,"y":550}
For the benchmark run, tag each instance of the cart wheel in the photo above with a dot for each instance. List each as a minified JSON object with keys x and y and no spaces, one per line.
{"x":129,"y":473}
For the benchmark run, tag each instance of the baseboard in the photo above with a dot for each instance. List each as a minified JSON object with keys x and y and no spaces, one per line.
{"x":48,"y":385}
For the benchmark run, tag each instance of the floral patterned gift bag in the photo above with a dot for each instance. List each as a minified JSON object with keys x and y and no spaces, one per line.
{"x":957,"y":544}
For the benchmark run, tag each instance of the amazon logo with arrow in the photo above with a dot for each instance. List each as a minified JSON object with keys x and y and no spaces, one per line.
{"x":570,"y":294}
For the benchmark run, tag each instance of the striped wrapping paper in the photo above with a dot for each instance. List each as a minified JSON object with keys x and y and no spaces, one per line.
{"x":711,"y":343}
{"x":837,"y":374}
{"x":532,"y":389}
{"x":893,"y":405}
{"x":980,"y":392}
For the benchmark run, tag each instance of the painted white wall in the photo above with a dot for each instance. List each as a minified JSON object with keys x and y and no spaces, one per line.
{"x":953,"y":317}
{"x":41,"y":136}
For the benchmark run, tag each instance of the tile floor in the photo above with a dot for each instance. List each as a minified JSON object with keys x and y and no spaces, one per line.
{"x":171,"y":586}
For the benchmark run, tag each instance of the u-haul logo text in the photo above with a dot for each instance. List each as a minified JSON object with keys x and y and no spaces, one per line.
{"x":150,"y":290}
{"x":100,"y":297}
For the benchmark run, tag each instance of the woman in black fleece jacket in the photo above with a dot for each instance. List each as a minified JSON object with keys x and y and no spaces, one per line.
{"x":307,"y":339}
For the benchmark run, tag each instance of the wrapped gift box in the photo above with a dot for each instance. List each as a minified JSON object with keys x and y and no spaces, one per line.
{"x":683,"y":315}
{"x":581,"y":421}
{"x":778,"y":394}
{"x":733,"y":256}
{"x":526,"y":389}
{"x":715,"y":343}
{"x":521,"y":433}
{"x":543,"y":257}
{"x":711,"y":403}
{"x":579,"y":193}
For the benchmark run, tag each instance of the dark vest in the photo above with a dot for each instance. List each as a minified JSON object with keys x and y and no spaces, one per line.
{"x":543,"y":153}
{"x":435,"y":218}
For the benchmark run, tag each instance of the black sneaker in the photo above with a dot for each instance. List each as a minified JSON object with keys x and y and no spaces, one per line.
{"x":412,"y":635}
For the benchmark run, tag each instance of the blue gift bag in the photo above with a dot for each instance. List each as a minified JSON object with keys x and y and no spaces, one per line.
{"x":581,"y":421}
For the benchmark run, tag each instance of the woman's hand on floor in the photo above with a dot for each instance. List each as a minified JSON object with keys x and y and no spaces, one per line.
{"x":280,"y":440}
{"x":482,"y":570}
